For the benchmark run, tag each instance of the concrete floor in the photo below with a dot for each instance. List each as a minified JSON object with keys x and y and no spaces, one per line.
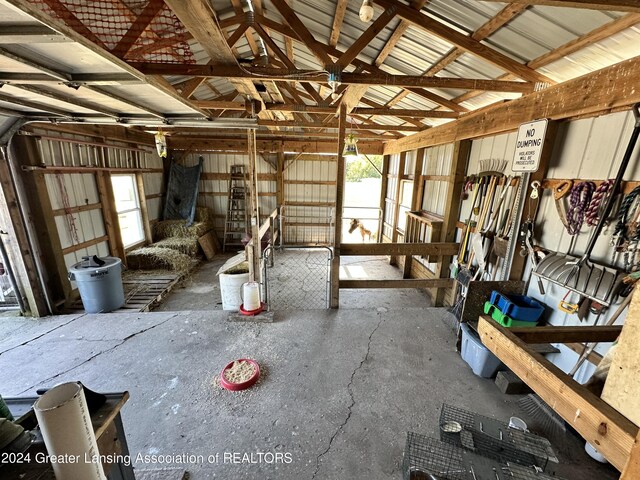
{"x":339,"y":390}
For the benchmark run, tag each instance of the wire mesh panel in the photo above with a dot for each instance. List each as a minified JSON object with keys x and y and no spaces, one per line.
{"x":493,"y":438}
{"x":430,"y":459}
{"x":299,"y":278}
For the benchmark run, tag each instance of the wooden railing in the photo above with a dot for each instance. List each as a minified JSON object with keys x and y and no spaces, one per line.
{"x":421,"y":227}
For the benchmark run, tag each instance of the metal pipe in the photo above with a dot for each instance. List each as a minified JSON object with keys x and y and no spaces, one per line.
{"x":12,"y":277}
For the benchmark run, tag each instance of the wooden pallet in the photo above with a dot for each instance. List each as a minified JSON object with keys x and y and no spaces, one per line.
{"x":141,"y":293}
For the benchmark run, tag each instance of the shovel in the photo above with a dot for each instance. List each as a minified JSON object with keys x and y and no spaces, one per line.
{"x":579,"y":274}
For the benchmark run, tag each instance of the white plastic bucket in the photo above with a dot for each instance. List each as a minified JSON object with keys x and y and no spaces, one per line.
{"x":231,"y":289}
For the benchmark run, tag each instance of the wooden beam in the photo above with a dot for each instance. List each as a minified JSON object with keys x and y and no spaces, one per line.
{"x":632,"y":468}
{"x":595,"y":420}
{"x":369,"y":34}
{"x":20,"y":34}
{"x":453,"y":199}
{"x":615,"y":5}
{"x":434,"y":249}
{"x":398,"y":112}
{"x":98,"y":48}
{"x":338,"y":18}
{"x":200,"y":20}
{"x":416,"y":203}
{"x":594,"y":93}
{"x":234,"y":72}
{"x":397,"y":34}
{"x":292,"y":146}
{"x":337,"y":232}
{"x":466,"y":43}
{"x":137,"y":27}
{"x":568,"y":334}
{"x":404,"y":283}
{"x":334,"y":125}
{"x":305,"y":35}
{"x":220,"y":105}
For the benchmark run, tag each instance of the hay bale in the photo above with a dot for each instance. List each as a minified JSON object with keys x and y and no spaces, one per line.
{"x":152,"y":258}
{"x":178,"y":228}
{"x":204,"y":214}
{"x":186,"y":245}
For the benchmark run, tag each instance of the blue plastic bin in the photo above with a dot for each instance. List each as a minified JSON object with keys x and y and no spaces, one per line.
{"x":518,"y":307}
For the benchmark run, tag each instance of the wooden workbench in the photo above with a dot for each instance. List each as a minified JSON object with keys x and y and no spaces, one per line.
{"x":107,"y":425}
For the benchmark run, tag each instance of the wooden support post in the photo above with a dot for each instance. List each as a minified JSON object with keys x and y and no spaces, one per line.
{"x":337,"y":234}
{"x":255,"y":246}
{"x":396,"y":200}
{"x":110,"y":215}
{"x":455,"y":184}
{"x":18,"y":248}
{"x":280,"y":179}
{"x":383,"y":195}
{"x":143,"y":208}
{"x":416,"y":204}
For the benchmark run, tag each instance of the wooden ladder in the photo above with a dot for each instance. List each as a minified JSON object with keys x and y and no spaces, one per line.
{"x":236,"y":222}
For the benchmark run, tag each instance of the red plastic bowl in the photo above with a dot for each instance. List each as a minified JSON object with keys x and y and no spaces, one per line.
{"x":252,"y":313}
{"x":235,"y":387}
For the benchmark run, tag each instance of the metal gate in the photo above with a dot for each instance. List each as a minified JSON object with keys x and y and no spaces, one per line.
{"x":297,"y":277}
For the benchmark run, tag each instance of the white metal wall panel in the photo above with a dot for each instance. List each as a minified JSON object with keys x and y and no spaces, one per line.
{"x":586,"y":149}
{"x":437,"y":161}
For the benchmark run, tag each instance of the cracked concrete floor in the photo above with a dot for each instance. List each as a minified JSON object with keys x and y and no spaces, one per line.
{"x":340,"y":389}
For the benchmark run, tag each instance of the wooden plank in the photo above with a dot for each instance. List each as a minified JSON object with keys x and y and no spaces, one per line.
{"x":622,"y":389}
{"x":567,"y":334}
{"x":396,"y":200}
{"x":338,"y":18}
{"x":632,"y":468}
{"x":137,"y":27}
{"x":594,"y":93}
{"x":596,"y":421}
{"x":305,"y":35}
{"x":365,"y":38}
{"x":404,"y":283}
{"x":208,"y":245}
{"x":78,"y":209}
{"x":334,"y":301}
{"x":615,"y":5}
{"x":466,"y":43}
{"x":142,"y":198}
{"x":453,"y":200}
{"x":110,"y":216}
{"x":87,"y":244}
{"x":416,"y":203}
{"x":427,"y":249}
{"x":271,"y":146}
{"x":594,"y":357}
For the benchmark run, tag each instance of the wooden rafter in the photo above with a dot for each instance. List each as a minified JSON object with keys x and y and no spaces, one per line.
{"x":466,"y":43}
{"x":305,"y":35}
{"x":570,"y":47}
{"x":609,"y":88}
{"x":369,"y":34}
{"x":615,"y":5}
{"x":397,"y":34}
{"x":139,"y":25}
{"x":338,"y":18}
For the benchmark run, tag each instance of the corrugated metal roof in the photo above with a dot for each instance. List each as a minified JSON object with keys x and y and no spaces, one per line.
{"x":533,"y":33}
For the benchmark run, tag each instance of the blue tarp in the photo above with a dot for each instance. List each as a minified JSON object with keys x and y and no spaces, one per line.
{"x":182,"y":192}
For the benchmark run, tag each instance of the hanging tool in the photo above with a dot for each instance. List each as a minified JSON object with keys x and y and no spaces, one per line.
{"x":593,"y":281}
{"x":559,"y":193}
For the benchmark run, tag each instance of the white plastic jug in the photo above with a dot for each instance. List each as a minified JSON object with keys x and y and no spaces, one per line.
{"x":251,"y":296}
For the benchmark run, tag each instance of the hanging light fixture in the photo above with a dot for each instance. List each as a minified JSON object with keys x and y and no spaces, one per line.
{"x":366,"y":11}
{"x":350,"y":145}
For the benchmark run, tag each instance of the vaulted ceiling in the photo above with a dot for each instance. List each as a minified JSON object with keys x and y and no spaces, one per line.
{"x":292,"y":63}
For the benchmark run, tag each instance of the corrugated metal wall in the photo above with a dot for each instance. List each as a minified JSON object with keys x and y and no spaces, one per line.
{"x":586,"y":149}
{"x":214,"y":184}
{"x":75,"y":197}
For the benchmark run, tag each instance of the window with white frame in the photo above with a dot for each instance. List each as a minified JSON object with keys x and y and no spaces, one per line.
{"x":125,"y":191}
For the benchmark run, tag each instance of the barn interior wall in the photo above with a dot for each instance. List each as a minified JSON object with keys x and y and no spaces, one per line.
{"x":54,"y":163}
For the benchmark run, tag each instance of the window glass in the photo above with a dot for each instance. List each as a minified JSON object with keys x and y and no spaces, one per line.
{"x":125,"y":192}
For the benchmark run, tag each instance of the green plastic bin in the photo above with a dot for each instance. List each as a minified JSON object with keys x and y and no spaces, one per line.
{"x":503,"y":319}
